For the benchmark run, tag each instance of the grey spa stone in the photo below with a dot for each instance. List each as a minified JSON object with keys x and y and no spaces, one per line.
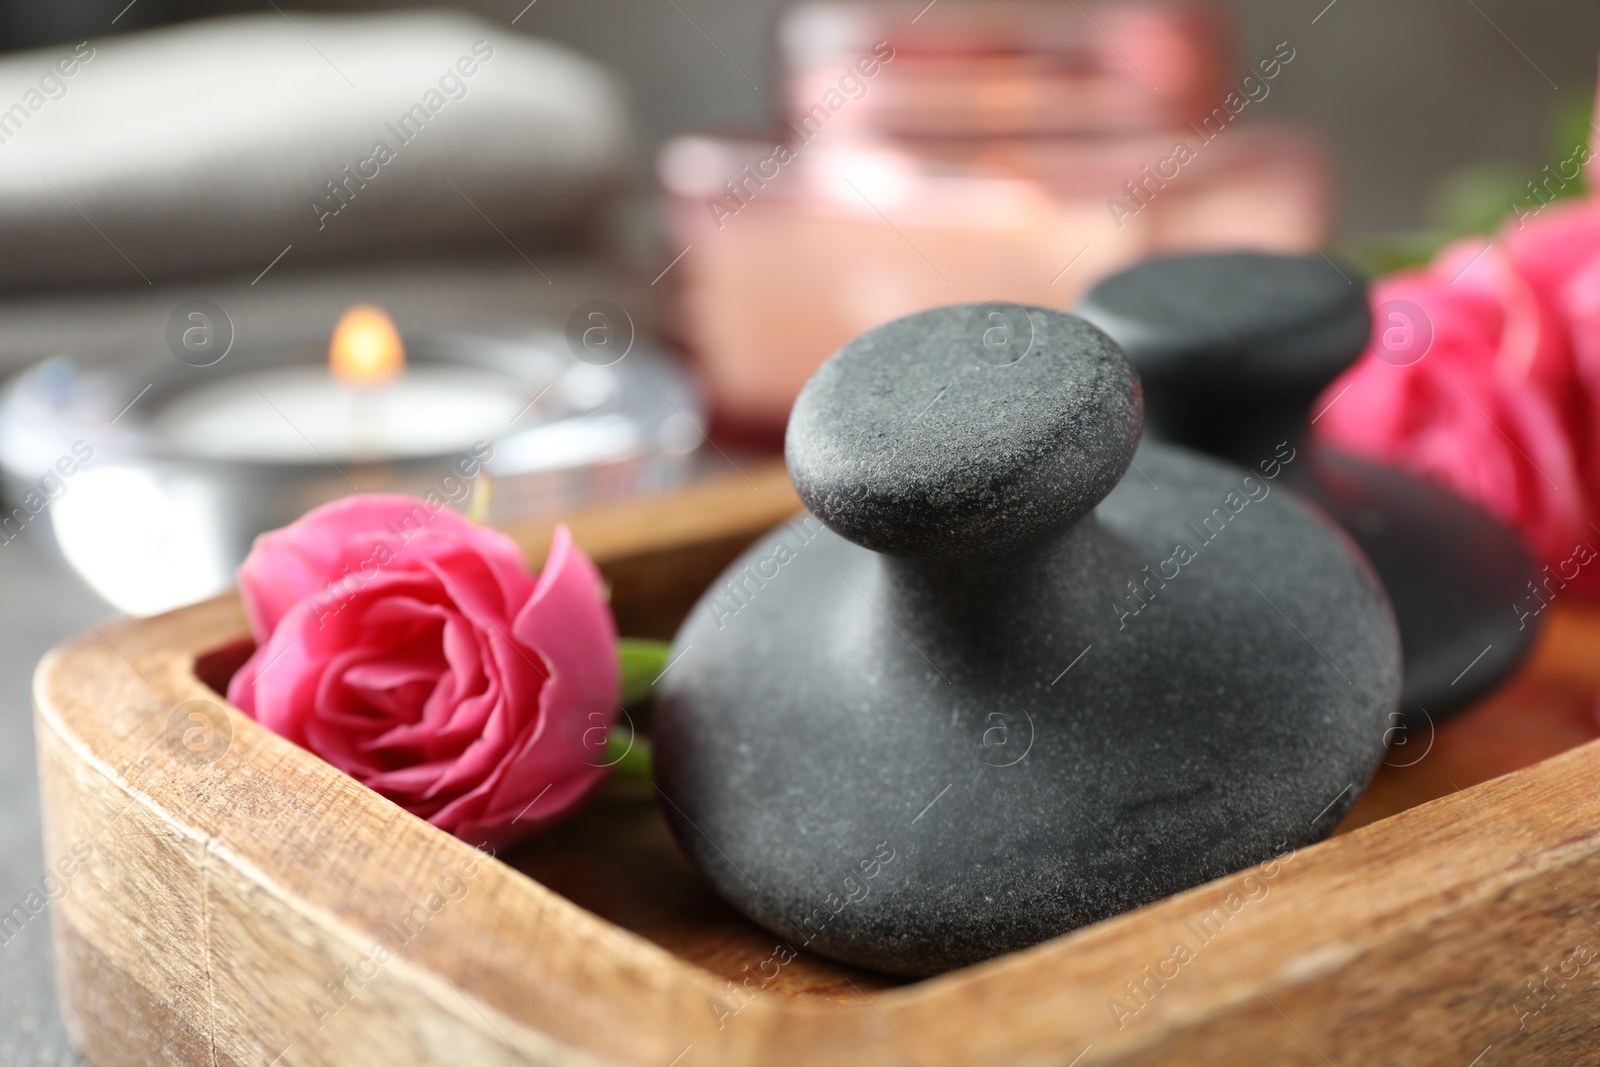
{"x":1002,"y":694}
{"x":1233,"y":349}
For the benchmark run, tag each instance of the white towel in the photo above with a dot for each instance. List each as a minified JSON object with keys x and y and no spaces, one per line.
{"x":215,"y":146}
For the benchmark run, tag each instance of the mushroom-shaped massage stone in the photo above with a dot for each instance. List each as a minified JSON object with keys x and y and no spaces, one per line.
{"x":1014,"y":673}
{"x":1233,"y":348}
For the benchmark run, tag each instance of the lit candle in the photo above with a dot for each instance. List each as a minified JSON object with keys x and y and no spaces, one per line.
{"x":207,"y":457}
{"x":365,"y":405}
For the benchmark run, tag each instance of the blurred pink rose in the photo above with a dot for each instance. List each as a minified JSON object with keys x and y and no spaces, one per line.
{"x":1476,"y":410}
{"x":1558,"y":253}
{"x":414,"y":651}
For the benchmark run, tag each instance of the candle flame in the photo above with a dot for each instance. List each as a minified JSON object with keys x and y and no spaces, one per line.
{"x":366,"y":348}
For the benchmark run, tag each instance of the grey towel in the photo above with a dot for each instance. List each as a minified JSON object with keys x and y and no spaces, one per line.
{"x":219,"y":146}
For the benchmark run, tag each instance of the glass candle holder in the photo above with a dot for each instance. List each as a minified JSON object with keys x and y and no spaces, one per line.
{"x":1016,"y":150}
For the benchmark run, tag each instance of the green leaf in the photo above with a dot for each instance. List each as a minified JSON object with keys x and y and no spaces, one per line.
{"x":1475,"y":199}
{"x":642,"y":663}
{"x":1386,"y":253}
{"x":630,"y":759}
{"x":1571,"y":127}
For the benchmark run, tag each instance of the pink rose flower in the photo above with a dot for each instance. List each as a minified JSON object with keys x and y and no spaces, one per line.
{"x":414,"y":651}
{"x":1475,"y":412}
{"x":1558,"y":253}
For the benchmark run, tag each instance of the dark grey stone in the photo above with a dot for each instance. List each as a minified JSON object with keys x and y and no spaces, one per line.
{"x":1242,"y":319}
{"x":1233,"y":348}
{"x":1014,"y":725}
{"x":1006,"y":443}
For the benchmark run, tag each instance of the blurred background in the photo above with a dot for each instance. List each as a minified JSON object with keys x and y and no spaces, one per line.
{"x":1406,"y":94}
{"x":606,"y":233}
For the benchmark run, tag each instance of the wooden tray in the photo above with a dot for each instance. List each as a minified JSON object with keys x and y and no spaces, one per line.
{"x":229,"y":913}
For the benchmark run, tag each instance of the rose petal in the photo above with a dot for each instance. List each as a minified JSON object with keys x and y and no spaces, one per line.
{"x":1474,"y":413}
{"x":443,"y":675}
{"x":344,"y":540}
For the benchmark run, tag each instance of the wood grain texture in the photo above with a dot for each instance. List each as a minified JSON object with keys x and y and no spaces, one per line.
{"x":231,"y":912}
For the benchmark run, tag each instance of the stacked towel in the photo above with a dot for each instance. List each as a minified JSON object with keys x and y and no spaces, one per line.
{"x":221,"y":146}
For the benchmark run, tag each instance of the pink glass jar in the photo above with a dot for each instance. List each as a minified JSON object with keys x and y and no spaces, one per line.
{"x":984,"y":150}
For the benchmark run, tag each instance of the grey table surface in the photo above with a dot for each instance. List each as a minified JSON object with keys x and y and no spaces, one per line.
{"x":44,"y":603}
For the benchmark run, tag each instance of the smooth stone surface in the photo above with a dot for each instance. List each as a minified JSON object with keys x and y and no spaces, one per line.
{"x":1454,"y":575}
{"x":1233,"y":349}
{"x":914,"y":764}
{"x":1240,"y":318}
{"x":922,"y":440}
